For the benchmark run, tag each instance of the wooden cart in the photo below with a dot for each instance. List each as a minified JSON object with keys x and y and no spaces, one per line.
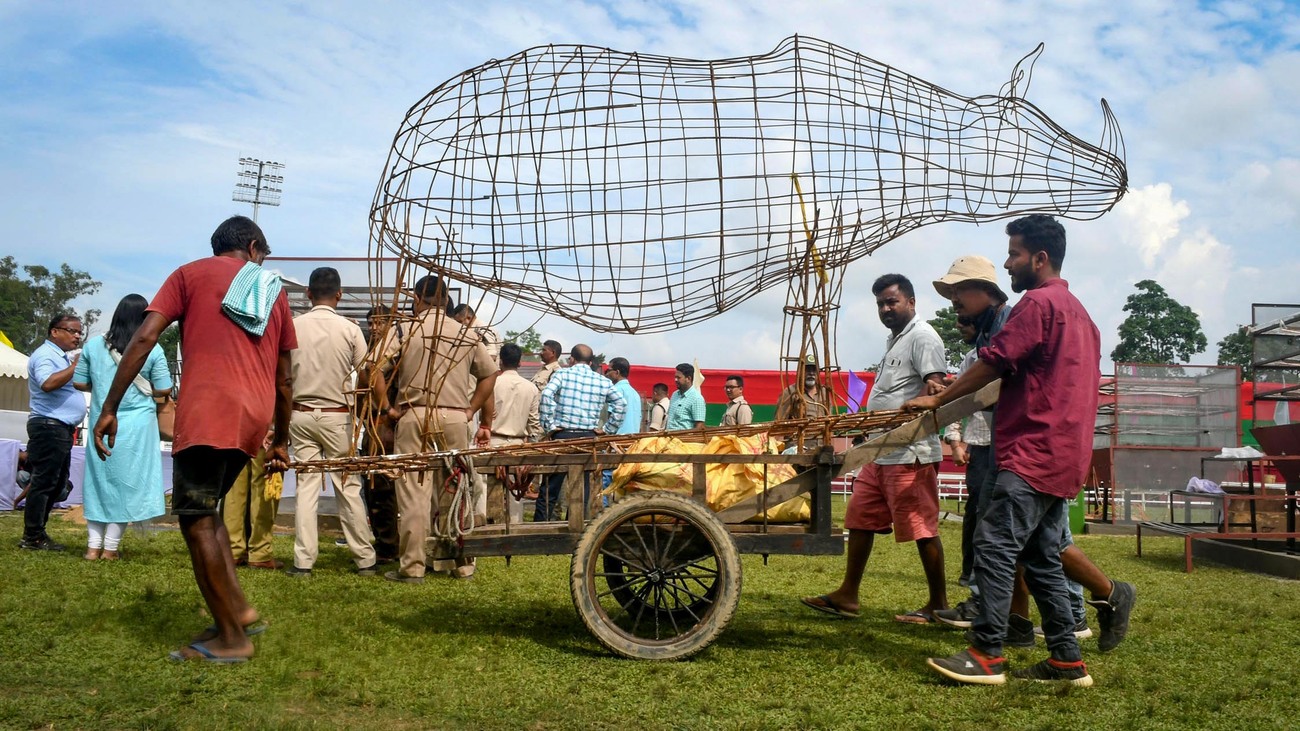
{"x":657,"y":575}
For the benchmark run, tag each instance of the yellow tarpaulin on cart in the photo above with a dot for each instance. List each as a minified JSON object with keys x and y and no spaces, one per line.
{"x":727,"y":484}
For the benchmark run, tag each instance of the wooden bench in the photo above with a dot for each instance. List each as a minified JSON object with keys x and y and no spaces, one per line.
{"x":1193,"y":531}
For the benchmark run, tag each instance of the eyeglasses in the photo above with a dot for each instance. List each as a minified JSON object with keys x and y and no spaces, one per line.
{"x":70,"y":331}
{"x":729,"y":387}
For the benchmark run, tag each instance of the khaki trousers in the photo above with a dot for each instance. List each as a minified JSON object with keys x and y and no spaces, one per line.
{"x":321,"y":435}
{"x":424,"y":429}
{"x":496,"y":491}
{"x":247,"y":501}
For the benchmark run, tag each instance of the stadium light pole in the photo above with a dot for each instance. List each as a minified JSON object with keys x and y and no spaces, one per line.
{"x":259,"y":182}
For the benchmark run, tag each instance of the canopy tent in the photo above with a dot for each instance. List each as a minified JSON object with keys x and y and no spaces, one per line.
{"x":13,"y":379}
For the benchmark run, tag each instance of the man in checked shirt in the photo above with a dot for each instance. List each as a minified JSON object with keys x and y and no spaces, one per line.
{"x":570,"y":409}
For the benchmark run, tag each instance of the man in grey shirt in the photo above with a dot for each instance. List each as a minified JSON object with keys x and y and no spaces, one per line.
{"x":899,"y":492}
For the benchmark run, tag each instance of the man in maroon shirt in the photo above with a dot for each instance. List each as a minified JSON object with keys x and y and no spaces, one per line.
{"x":1048,"y":356}
{"x":236,"y":380}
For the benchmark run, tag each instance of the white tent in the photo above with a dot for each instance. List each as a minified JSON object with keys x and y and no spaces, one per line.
{"x":13,"y":379}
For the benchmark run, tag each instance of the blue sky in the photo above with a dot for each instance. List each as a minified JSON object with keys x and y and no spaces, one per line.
{"x":123,"y":125}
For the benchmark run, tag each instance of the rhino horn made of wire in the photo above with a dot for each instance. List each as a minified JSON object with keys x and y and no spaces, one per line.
{"x":636,"y":193}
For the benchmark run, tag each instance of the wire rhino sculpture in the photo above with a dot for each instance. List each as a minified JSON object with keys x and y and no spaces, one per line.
{"x":633,"y":193}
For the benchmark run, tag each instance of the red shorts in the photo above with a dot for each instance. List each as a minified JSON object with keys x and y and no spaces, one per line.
{"x":903,"y":498}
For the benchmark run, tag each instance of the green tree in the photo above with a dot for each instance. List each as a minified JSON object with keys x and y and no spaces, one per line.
{"x":944,"y":322}
{"x":1158,"y":329}
{"x":170,"y":341}
{"x":1235,"y":349}
{"x":31,"y":295}
{"x":530,"y":341}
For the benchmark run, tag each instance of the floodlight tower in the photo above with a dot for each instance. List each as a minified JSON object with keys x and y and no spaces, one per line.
{"x":259,"y":183}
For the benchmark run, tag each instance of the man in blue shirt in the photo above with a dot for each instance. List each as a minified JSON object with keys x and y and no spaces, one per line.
{"x":570,"y":409}
{"x":57,"y":409}
{"x":618,"y":372}
{"x":686,"y":408}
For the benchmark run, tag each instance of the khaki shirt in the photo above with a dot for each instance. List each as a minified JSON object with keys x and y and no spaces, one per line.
{"x":330,"y":349}
{"x":517,"y":402}
{"x":658,"y":415}
{"x":815,"y":406}
{"x":490,"y":339}
{"x":543,"y":377}
{"x":439,"y":363}
{"x":738,"y":413}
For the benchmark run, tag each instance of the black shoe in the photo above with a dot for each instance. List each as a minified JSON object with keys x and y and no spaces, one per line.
{"x":1050,"y":671}
{"x":298,"y":573}
{"x":366,"y":570}
{"x":1113,"y":614}
{"x":961,"y":615}
{"x":44,"y":543}
{"x":1081,"y":631}
{"x":971,"y":666}
{"x":1020,"y":632}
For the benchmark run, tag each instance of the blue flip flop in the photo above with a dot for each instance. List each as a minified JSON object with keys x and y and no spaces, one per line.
{"x":205,"y":655}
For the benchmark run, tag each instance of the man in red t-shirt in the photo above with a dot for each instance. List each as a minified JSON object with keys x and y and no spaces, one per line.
{"x":236,"y":382}
{"x":1048,"y":355}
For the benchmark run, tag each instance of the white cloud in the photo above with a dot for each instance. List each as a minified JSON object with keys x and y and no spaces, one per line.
{"x":128,"y":180}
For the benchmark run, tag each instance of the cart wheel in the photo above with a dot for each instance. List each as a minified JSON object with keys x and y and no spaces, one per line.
{"x":671,"y":578}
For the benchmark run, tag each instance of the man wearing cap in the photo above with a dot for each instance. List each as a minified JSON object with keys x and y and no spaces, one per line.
{"x":971,"y":285}
{"x":1047,"y":355}
{"x":899,"y":491}
{"x":805,"y":399}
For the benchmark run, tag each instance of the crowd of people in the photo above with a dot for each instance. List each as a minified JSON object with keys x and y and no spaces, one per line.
{"x":259,"y":383}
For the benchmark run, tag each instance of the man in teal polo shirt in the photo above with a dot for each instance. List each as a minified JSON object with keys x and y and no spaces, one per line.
{"x":686,"y":407}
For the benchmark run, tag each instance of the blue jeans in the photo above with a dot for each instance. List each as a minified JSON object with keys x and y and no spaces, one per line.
{"x":977,"y":470}
{"x":49,"y":452}
{"x":550,"y":492}
{"x":1020,"y":523}
{"x":1078,"y":609}
{"x":981,"y":476}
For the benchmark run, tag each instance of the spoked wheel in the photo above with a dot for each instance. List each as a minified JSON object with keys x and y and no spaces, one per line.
{"x":656,"y":577}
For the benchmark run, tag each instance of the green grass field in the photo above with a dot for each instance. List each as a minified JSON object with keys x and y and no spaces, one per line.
{"x":84,"y":645}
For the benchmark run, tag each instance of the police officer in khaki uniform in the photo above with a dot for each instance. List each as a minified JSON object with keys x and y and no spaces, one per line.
{"x":330,"y":349}
{"x":738,"y":411}
{"x":515,"y":422}
{"x":438,"y":368}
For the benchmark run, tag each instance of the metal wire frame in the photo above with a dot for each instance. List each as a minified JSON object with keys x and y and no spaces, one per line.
{"x":865,"y":422}
{"x":630,"y":192}
{"x":634,"y":193}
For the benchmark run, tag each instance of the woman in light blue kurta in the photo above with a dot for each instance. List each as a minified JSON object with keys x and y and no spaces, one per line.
{"x":128,"y":485}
